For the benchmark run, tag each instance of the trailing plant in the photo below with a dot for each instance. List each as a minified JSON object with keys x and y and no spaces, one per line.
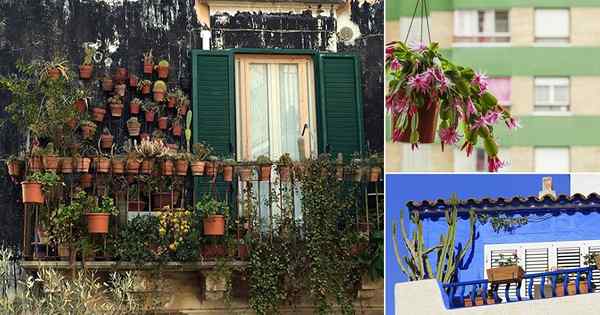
{"x":285,"y":160}
{"x":502,"y":222}
{"x":139,"y":241}
{"x":150,"y":106}
{"x":506,"y":260}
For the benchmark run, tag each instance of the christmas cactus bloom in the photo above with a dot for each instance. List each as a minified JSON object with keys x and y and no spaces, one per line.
{"x":428,"y":96}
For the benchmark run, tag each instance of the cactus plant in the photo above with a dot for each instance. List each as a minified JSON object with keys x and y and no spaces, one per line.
{"x":188,"y":129}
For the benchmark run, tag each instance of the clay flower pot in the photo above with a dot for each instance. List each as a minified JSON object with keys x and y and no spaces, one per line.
{"x":32,"y":192}
{"x":81,"y":164}
{"x":134,"y":107}
{"x":86,"y":180}
{"x":97,"y":222}
{"x":198,"y":168}
{"x":50,"y":162}
{"x":159,"y":96}
{"x":284,"y":173}
{"x":228,"y":173}
{"x":148,"y":68}
{"x":177,"y":129}
{"x":85,"y":72}
{"x":264,"y":173}
{"x":182,"y":110}
{"x":375,"y":174}
{"x":118,"y":166}
{"x":428,"y":121}
{"x":98,"y":114}
{"x":133,"y":166}
{"x":163,"y":123}
{"x":120,"y":89}
{"x":146,"y":89}
{"x":14,"y":168}
{"x":35,"y":164}
{"x":211,"y":169}
{"x":106,"y":141}
{"x":66,"y":165}
{"x":133,"y":81}
{"x":107,"y":84}
{"x":88,"y":130}
{"x":136,"y":205}
{"x":167,"y":167}
{"x":181,"y":167}
{"x":102,"y":165}
{"x":171,"y":101}
{"x":80,"y":105}
{"x":116,"y":109}
{"x":214,"y":225}
{"x":53,"y":73}
{"x":245,"y":173}
{"x":163,"y":72}
{"x":147,"y":166}
{"x":133,"y":128}
{"x":121,"y":75}
{"x":149,"y":115}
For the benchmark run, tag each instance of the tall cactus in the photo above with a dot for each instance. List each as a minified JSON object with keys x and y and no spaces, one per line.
{"x":417,"y":265}
{"x":188,"y":129}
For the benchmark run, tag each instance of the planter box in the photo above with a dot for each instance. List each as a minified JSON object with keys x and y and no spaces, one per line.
{"x":478,"y":301}
{"x":508,"y":274}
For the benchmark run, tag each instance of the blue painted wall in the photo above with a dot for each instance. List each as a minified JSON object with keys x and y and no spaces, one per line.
{"x":402,"y":188}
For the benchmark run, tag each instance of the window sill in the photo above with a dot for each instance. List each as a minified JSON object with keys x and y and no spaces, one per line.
{"x":468,"y":44}
{"x":547,"y":113}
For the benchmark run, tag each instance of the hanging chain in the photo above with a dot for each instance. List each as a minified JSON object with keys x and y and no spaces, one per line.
{"x":424,"y":14}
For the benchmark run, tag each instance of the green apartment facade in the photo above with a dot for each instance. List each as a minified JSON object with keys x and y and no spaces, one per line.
{"x":541,"y":57}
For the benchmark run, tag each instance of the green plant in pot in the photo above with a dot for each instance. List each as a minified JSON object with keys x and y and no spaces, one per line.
{"x":507,"y":270}
{"x":150,"y":110}
{"x":50,"y":158}
{"x":375,"y":162}
{"x":135,"y":198}
{"x":148,"y":62}
{"x":135,"y":105}
{"x":214,"y":214}
{"x":283,"y":167}
{"x":37,"y":184}
{"x":264,"y":167}
{"x":66,"y":223}
{"x":159,"y":89}
{"x":163,"y":69}
{"x":15,"y":165}
{"x":144,"y":86}
{"x":98,"y":216}
{"x":228,"y":168}
{"x":198,"y":163}
{"x":212,"y":166}
{"x":182,"y":163}
{"x":116,"y":105}
{"x":133,"y":126}
{"x":87,"y":65}
{"x":357,"y":166}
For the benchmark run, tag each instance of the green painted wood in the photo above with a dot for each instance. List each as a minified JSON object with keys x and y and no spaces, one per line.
{"x":340,"y":104}
{"x":552,"y":131}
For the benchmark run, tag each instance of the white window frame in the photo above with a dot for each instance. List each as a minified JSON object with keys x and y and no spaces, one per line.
{"x":552,"y":40}
{"x":535,"y":150}
{"x":552,"y":83}
{"x":460,"y":34}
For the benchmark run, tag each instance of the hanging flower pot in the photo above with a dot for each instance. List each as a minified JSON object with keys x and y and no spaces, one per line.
{"x":284,"y":173}
{"x":146,"y":88}
{"x":211,"y":169}
{"x":86,"y":180}
{"x":66,"y":165}
{"x":133,"y":166}
{"x":82,"y":164}
{"x":97,"y":222}
{"x":181,"y":167}
{"x":375,"y":174}
{"x":198,"y":168}
{"x":133,"y":81}
{"x":163,"y":69}
{"x":136,"y":205}
{"x":35,"y":164}
{"x":149,"y":115}
{"x":147,"y":166}
{"x":117,"y":166}
{"x":116,"y":109}
{"x":32,"y":192}
{"x":228,"y":173}
{"x":98,"y":114}
{"x":80,"y":105}
{"x":133,"y":126}
{"x":245,"y":173}
{"x":163,"y":122}
{"x":106,"y":141}
{"x":107,"y":84}
{"x":121,"y":75}
{"x":102,"y":164}
{"x":50,"y":162}
{"x":428,"y":121}
{"x":159,"y":90}
{"x":85,"y":72}
{"x":88,"y":129}
{"x":134,"y":106}
{"x":14,"y":168}
{"x":214,"y":225}
{"x":167,"y":167}
{"x":177,"y":129}
{"x":159,"y":96}
{"x":148,"y":68}
{"x":120,"y":89}
{"x":53,"y":73}
{"x":171,"y":101}
{"x":265,"y":173}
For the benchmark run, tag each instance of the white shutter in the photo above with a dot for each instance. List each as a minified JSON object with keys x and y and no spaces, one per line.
{"x":465,"y":23}
{"x":536,"y":260}
{"x":552,"y":23}
{"x":595,"y":273}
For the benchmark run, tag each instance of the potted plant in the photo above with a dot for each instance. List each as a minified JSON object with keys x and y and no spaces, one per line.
{"x":357,"y":167}
{"x":85,"y":180}
{"x":508,"y":270}
{"x":162,"y":194}
{"x":15,"y":165}
{"x":120,"y":89}
{"x":211,"y":166}
{"x":173,"y":98}
{"x":264,"y":164}
{"x":182,"y":163}
{"x":134,"y":106}
{"x":80,"y":103}
{"x":98,"y":217}
{"x":81,"y":163}
{"x":121,"y":74}
{"x":244,"y":171}
{"x":150,"y":109}
{"x":98,"y":113}
{"x":133,"y":81}
{"x":102,"y":164}
{"x":117,"y":165}
{"x":133,"y":126}
{"x":56,"y":68}
{"x":116,"y":106}
{"x":479,"y":300}
{"x":571,"y":286}
{"x":425,"y":87}
{"x":106,"y":139}
{"x":50,"y":158}
{"x":35,"y":163}
{"x":283,"y":167}
{"x":107,"y":83}
{"x":87,"y":66}
{"x":34,"y":187}
{"x":133,"y":162}
{"x":163,"y":120}
{"x":135,"y":202}
{"x":145,"y":86}
{"x":66,"y":165}
{"x":228,"y":167}
{"x":148,"y":62}
{"x":88,"y":129}
{"x":198,"y":163}
{"x":214,"y":214}
{"x":177,"y":126}
{"x":159,"y":90}
{"x":148,"y":151}
{"x":66,"y":223}
{"x":167,"y":165}
{"x":182,"y":105}
{"x":163,"y":69}
{"x":375,"y":162}
{"x":339,"y":167}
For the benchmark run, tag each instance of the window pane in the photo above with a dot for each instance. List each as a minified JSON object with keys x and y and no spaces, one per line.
{"x":480,"y":21}
{"x":259,"y":110}
{"x":561,"y":94}
{"x":501,"y":21}
{"x":551,"y":160}
{"x":542,"y":94}
{"x":289,"y":111}
{"x":552,"y":23}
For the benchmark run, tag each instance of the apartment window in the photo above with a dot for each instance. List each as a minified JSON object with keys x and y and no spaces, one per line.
{"x":552,"y":25}
{"x":552,"y":160}
{"x":551,"y":95}
{"x":501,"y":88}
{"x":481,"y":26}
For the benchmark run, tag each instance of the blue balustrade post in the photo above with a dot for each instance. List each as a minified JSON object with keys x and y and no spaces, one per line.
{"x":554,"y":285}
{"x":565,"y":284}
{"x":519,"y":290}
{"x":530,"y":288}
{"x":577,"y":290}
{"x":543,"y":287}
{"x":506,"y":292}
{"x":485,"y":292}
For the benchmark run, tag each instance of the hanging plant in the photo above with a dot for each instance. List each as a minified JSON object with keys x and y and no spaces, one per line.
{"x":424,"y":87}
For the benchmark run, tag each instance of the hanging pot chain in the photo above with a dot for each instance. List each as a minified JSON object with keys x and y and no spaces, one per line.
{"x":424,"y":10}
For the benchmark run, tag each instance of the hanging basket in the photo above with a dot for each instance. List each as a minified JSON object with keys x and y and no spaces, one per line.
{"x":32,"y":192}
{"x":428,"y":121}
{"x":214,"y":225}
{"x":97,"y":222}
{"x":228,"y":173}
{"x":198,"y":167}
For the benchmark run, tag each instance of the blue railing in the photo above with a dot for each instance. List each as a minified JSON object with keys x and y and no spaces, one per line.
{"x":483,"y":292}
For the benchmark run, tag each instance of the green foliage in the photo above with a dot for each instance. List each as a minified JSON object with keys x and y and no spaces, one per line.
{"x":208,"y":206}
{"x":502,"y":222}
{"x":201,"y":151}
{"x":263,"y":160}
{"x":266,"y":270}
{"x":139,"y":241}
{"x":285,"y":159}
{"x":163,"y":63}
{"x":159,"y":86}
{"x":106,"y":205}
{"x":66,"y":223}
{"x":47,"y":179}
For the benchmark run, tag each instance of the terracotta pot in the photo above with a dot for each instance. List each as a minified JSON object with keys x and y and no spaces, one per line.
{"x":146,"y":89}
{"x":571,"y":288}
{"x":53,"y":73}
{"x":50,"y":162}
{"x":284,"y":173}
{"x":32,"y":192}
{"x":166,"y":167}
{"x":357,"y":175}
{"x":339,"y":172}
{"x":147,"y":166}
{"x":88,"y":131}
{"x":149,"y":115}
{"x":72,"y":123}
{"x":102,"y":165}
{"x":163,"y":123}
{"x":66,"y":165}
{"x":107,"y":84}
{"x":120,"y":89}
{"x":35,"y":164}
{"x":80,"y":105}
{"x":86,"y":180}
{"x":14,"y":168}
{"x":210,"y":251}
{"x":265,"y":173}
{"x":182,"y":110}
{"x":214,"y":225}
{"x":116,"y":109}
{"x":177,"y":129}
{"x":245,"y":173}
{"x":427,"y":126}
{"x":134,"y":107}
{"x":478,"y":301}
{"x":85,"y":71}
{"x":228,"y":173}
{"x":148,"y":68}
{"x":133,"y":81}
{"x":163,"y":72}
{"x":198,"y":168}
{"x":163,"y":199}
{"x":133,"y":166}
{"x":171,"y":102}
{"x":159,"y":96}
{"x":133,"y":128}
{"x":375,"y":174}
{"x":507,"y":274}
{"x":117,"y":166}
{"x":81,"y":164}
{"x":136,"y":205}
{"x":242,"y":251}
{"x":97,"y":222}
{"x":106,"y":141}
{"x":211,"y":169}
{"x":121,"y":74}
{"x":98,"y":114}
{"x":181,"y":167}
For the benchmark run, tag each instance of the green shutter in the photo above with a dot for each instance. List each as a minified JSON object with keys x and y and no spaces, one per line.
{"x":213,"y":99}
{"x":340,"y":111}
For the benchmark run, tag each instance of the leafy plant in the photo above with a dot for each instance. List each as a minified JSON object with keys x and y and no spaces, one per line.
{"x":263,"y":160}
{"x":159,"y":86}
{"x":47,"y":179}
{"x":201,"y":151}
{"x":506,"y":260}
{"x":285,"y":160}
{"x":88,"y":57}
{"x":208,"y":206}
{"x":106,"y":205}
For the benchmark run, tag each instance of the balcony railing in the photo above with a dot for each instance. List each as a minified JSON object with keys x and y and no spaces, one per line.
{"x":537,"y":286}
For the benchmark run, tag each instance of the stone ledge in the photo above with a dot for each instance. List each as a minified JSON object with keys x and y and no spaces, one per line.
{"x":115,"y":265}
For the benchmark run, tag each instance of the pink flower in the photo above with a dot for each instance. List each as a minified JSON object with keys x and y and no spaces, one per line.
{"x":494,"y":164}
{"x":491,"y":117}
{"x":458,"y":106}
{"x":470,"y":108}
{"x":419,"y":82}
{"x":389,"y":50}
{"x":418,"y":47}
{"x":512,"y":123}
{"x":448,"y":136}
{"x":396,"y":103}
{"x":469,"y":148}
{"x":481,"y":81}
{"x":395,"y":65}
